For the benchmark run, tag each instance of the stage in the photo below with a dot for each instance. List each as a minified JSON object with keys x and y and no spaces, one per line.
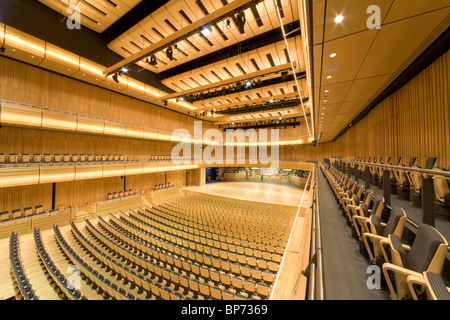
{"x":259,"y":192}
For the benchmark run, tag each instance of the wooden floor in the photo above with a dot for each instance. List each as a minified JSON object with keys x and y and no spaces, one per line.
{"x":261,"y":192}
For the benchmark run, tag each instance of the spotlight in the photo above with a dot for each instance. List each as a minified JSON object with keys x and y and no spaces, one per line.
{"x":2,"y":50}
{"x":339,"y":19}
{"x":224,"y":91}
{"x":228,"y":24}
{"x":153,"y":61}
{"x":206,"y":31}
{"x":169,"y":53}
{"x":240,"y":20}
{"x":124,"y":70}
{"x":238,"y":86}
{"x":116,"y":77}
{"x":248,"y":83}
{"x":175,"y":48}
{"x":284,"y":75}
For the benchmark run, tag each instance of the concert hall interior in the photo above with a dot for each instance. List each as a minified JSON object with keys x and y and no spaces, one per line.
{"x":224,"y":150}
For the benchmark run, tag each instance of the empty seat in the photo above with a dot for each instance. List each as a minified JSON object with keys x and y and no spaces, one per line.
{"x":379,"y":230}
{"x":427,"y":253}
{"x":434,"y":284}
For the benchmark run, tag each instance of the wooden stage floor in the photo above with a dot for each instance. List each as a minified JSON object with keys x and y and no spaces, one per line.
{"x":273,"y":193}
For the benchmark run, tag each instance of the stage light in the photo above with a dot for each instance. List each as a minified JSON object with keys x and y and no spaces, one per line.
{"x":124,"y":70}
{"x":240,"y":21}
{"x":169,"y":53}
{"x":228,"y":24}
{"x":206,"y":31}
{"x":116,"y":77}
{"x":153,"y":61}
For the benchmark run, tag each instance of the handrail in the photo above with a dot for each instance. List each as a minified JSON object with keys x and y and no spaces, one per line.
{"x":316,"y":274}
{"x":393,"y":167}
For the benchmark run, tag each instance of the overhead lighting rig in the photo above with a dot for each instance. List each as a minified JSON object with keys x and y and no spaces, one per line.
{"x":239,"y":86}
{"x":236,"y":11}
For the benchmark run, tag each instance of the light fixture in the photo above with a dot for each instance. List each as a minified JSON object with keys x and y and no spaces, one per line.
{"x":228,"y":24}
{"x":329,"y":77}
{"x":2,"y":50}
{"x":175,"y":48}
{"x":169,"y":53}
{"x":240,"y":21}
{"x":124,"y":70}
{"x":326,"y":91}
{"x":333,"y":55}
{"x":206,"y":31}
{"x":339,"y":19}
{"x":248,"y":83}
{"x":116,"y":77}
{"x":153,"y":61}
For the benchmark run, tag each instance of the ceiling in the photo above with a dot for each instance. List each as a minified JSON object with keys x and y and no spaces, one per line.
{"x":274,"y":68}
{"x":366,"y":61}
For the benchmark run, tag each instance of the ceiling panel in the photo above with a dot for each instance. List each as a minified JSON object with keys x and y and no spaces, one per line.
{"x":97,"y":15}
{"x":396,"y":42}
{"x":355,"y":16}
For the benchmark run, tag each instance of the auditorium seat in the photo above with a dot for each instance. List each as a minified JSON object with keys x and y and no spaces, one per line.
{"x":416,"y":180}
{"x":442,"y":192}
{"x":427,"y":253}
{"x":431,"y":285}
{"x":378,"y":230}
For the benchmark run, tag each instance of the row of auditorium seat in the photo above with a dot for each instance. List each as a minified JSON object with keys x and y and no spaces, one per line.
{"x":170,"y":158}
{"x":22,"y":286}
{"x":155,"y":264}
{"x":408,"y":184}
{"x":164,"y":186}
{"x":27,"y":213}
{"x":57,"y":158}
{"x":210,"y":253}
{"x":58,"y":281}
{"x":174,"y":271}
{"x":231,"y":238}
{"x":205,"y":267}
{"x":404,"y":266}
{"x":120,"y":194}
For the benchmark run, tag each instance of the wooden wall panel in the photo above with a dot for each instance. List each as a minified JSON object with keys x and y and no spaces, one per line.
{"x":31,"y":85}
{"x":79,"y":193}
{"x":26,"y":196}
{"x":29,"y":141}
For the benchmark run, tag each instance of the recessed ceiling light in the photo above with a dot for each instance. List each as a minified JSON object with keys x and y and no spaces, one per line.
{"x":325,"y":100}
{"x":327,"y":90}
{"x":333,"y":55}
{"x":339,"y":19}
{"x":329,"y":77}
